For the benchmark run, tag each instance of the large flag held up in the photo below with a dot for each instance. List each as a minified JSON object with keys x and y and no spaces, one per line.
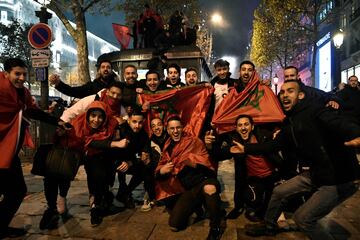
{"x":190,"y":103}
{"x":122,"y":34}
{"x":255,"y":100}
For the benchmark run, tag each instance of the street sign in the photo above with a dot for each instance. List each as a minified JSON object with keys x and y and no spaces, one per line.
{"x":40,"y":74}
{"x":40,"y":54}
{"x":40,"y":63}
{"x":40,"y":36}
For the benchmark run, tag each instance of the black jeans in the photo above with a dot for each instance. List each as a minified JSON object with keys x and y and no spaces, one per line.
{"x":52,"y":187}
{"x":98,"y":169}
{"x":190,"y":200}
{"x":139,"y":173}
{"x":258,"y":193}
{"x":13,"y":190}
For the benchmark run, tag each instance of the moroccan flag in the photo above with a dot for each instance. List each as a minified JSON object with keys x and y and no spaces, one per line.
{"x":191,"y":103}
{"x":255,"y":100}
{"x":122,"y":34}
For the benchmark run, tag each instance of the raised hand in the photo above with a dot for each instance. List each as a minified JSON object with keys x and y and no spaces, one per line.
{"x":353,"y":143}
{"x":238,"y":148}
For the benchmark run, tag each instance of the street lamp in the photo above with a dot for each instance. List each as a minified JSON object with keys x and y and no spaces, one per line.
{"x":275,"y":81}
{"x":217,"y":19}
{"x":338,"y":40}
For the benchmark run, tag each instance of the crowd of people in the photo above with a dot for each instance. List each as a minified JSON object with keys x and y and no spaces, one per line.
{"x":311,"y":154}
{"x":150,"y":31}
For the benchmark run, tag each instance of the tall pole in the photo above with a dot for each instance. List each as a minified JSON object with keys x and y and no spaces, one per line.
{"x":44,"y":16}
{"x":45,"y":135}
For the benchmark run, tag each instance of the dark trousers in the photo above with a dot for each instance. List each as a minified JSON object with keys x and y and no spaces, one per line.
{"x":258,"y":193}
{"x":53,"y":187}
{"x":149,"y":179}
{"x":240,"y":183}
{"x":321,"y":203}
{"x":190,"y":200}
{"x":13,"y":190}
{"x":98,"y":170}
{"x":136,"y":171}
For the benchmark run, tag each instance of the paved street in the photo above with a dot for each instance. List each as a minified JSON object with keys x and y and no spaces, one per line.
{"x":344,"y":222}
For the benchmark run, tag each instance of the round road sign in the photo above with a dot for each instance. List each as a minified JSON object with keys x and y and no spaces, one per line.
{"x":40,"y":36}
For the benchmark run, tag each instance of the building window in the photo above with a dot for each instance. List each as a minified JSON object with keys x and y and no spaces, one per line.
{"x":344,"y":76}
{"x":357,"y":70}
{"x":3,"y":17}
{"x":343,"y":21}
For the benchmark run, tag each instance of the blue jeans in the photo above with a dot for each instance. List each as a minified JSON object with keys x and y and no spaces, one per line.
{"x":323,"y":200}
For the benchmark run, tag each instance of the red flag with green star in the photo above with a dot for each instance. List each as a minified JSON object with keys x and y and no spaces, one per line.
{"x":190,"y":103}
{"x":255,"y":100}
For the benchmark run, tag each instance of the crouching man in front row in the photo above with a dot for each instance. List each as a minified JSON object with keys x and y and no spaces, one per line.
{"x":185,"y":179}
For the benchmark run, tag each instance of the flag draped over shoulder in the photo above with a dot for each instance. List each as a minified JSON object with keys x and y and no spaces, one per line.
{"x":191,"y":103}
{"x":11,"y":109}
{"x":122,"y":34}
{"x":255,"y":100}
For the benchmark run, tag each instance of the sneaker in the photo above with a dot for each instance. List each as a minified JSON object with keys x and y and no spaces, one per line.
{"x":215,"y":233}
{"x":252,"y":217}
{"x":256,"y":230}
{"x":235,"y":213}
{"x":95,"y":216}
{"x":61,"y":205}
{"x":49,"y":219}
{"x":147,"y":206}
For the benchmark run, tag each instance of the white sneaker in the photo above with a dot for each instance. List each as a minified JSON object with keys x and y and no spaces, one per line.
{"x":147,"y":206}
{"x":61,"y":205}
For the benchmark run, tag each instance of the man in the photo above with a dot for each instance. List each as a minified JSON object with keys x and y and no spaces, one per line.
{"x":328,"y":99}
{"x":317,"y":134}
{"x":16,"y":107}
{"x":134,"y":159}
{"x":111,"y":96}
{"x":129,"y":91}
{"x":152,"y":82}
{"x":191,"y":77}
{"x":173,"y":76}
{"x":254,"y":174}
{"x":186,"y":174}
{"x":104,"y":77}
{"x":246,"y":70}
{"x":350,"y":96}
{"x":222,"y":81}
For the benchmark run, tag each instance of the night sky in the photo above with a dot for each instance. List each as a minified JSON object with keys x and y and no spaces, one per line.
{"x":227,"y":41}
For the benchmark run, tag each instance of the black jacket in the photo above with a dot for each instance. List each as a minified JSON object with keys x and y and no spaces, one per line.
{"x":318,"y":95}
{"x":317,"y":134}
{"x":129,"y":94}
{"x":87,"y":89}
{"x":351,"y":102}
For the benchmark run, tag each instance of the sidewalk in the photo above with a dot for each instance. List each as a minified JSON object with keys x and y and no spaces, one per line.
{"x":344,"y":221}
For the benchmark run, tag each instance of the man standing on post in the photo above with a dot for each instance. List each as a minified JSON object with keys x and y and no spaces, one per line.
{"x":316,"y":134}
{"x":105,"y":76}
{"x":16,"y":106}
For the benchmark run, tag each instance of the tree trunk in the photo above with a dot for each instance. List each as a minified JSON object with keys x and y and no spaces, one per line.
{"x":82,"y":50}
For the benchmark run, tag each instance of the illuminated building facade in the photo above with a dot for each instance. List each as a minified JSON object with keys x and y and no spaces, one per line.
{"x":63,"y":48}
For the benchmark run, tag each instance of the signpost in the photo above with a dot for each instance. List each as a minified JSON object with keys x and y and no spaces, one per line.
{"x":40,"y":36}
{"x":40,"y":74}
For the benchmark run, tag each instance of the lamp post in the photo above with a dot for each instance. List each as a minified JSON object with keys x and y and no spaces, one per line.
{"x":338,"y":40}
{"x":275,"y":81}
